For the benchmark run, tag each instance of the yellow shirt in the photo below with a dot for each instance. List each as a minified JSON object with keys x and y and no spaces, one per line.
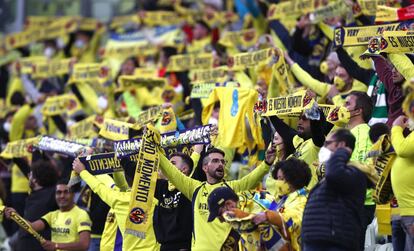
{"x":109,"y":234}
{"x":207,"y":235}
{"x":66,"y":226}
{"x":402,"y":171}
{"x":119,"y":202}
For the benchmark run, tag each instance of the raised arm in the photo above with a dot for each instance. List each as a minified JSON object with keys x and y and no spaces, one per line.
{"x":184,"y":184}
{"x":403,"y":146}
{"x":338,"y":175}
{"x":252,"y":179}
{"x":354,"y":70}
{"x":107,"y":194}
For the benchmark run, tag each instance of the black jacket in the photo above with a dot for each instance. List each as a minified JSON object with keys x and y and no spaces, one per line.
{"x":333,"y":211}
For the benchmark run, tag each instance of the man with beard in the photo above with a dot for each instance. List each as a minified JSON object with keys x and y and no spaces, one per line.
{"x":70,"y":225}
{"x":212,"y":235}
{"x":307,"y":139}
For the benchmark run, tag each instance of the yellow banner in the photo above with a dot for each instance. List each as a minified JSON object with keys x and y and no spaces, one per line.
{"x":126,"y":49}
{"x":245,"y":38}
{"x":294,"y":103}
{"x":143,"y":188}
{"x":24,"y":224}
{"x":369,"y":7}
{"x":360,"y":35}
{"x":61,"y":104}
{"x":180,"y":63}
{"x":203,"y":90}
{"x":116,"y":130}
{"x":251,"y":59}
{"x":217,"y":75}
{"x":290,"y":9}
{"x":34,"y":22}
{"x":52,"y":68}
{"x":333,"y":9}
{"x":26,"y":65}
{"x":397,"y":42}
{"x":84,"y":128}
{"x":161,"y":18}
{"x":149,"y":115}
{"x":386,"y":14}
{"x":18,"y":148}
{"x":121,"y":21}
{"x":127,"y":82}
{"x":146,"y":72}
{"x":84,"y":72}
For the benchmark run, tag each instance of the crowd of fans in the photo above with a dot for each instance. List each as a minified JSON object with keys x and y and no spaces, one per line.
{"x":275,"y":174}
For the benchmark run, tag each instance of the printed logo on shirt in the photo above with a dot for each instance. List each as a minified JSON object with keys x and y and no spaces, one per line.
{"x":137,"y":215}
{"x":166,"y":118}
{"x":68,"y":221}
{"x":171,"y":201}
{"x":60,"y":230}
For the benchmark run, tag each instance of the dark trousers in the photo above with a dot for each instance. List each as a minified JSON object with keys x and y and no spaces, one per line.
{"x":398,"y":235}
{"x":321,"y":246}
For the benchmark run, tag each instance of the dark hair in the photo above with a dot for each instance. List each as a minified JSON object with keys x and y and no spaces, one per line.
{"x":169,"y":51}
{"x":187,"y":159}
{"x":210,"y":151}
{"x":44,"y":173}
{"x":65,"y":182}
{"x":377,"y":130}
{"x":204,"y":24}
{"x":344,"y":135}
{"x":297,"y":173}
{"x":17,"y":98}
{"x":364,"y":102}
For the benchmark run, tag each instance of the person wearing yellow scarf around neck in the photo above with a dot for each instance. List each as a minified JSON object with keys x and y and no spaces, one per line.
{"x":343,"y":83}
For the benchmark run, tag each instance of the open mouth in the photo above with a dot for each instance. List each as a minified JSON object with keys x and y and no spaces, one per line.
{"x":220,"y":171}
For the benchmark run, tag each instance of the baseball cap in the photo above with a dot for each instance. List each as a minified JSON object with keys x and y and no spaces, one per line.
{"x":217,"y":198}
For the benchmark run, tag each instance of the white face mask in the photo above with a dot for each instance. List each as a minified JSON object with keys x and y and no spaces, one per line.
{"x":324,"y":154}
{"x":411,"y":124}
{"x":7,"y":126}
{"x":70,"y":123}
{"x":79,"y":44}
{"x":102,"y":102}
{"x":213,"y":121}
{"x":49,"y":52}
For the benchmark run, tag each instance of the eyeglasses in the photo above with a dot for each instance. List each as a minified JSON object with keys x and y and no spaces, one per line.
{"x":216,"y":161}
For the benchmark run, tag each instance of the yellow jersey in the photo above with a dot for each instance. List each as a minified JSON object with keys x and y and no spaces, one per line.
{"x":66,"y":226}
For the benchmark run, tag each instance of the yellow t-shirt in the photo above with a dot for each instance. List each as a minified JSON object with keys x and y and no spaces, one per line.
{"x":66,"y":226}
{"x":109,"y":234}
{"x":119,"y":202}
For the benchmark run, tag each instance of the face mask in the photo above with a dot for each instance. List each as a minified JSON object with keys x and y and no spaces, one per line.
{"x":324,"y":154}
{"x":49,"y":52}
{"x":324,"y":68}
{"x":282,"y":188}
{"x":70,"y":123}
{"x":213,"y":121}
{"x":7,"y":126}
{"x":411,"y":124}
{"x":339,"y":83}
{"x":80,"y":44}
{"x":102,"y":102}
{"x":339,"y":116}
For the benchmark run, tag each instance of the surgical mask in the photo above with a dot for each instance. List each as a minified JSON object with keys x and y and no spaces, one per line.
{"x":49,"y":52}
{"x":339,"y":83}
{"x":70,"y":123}
{"x":324,"y":68}
{"x":213,"y":121}
{"x":102,"y":102}
{"x":282,"y":187}
{"x":324,"y":154}
{"x":7,"y":126}
{"x":80,"y":44}
{"x":410,"y":124}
